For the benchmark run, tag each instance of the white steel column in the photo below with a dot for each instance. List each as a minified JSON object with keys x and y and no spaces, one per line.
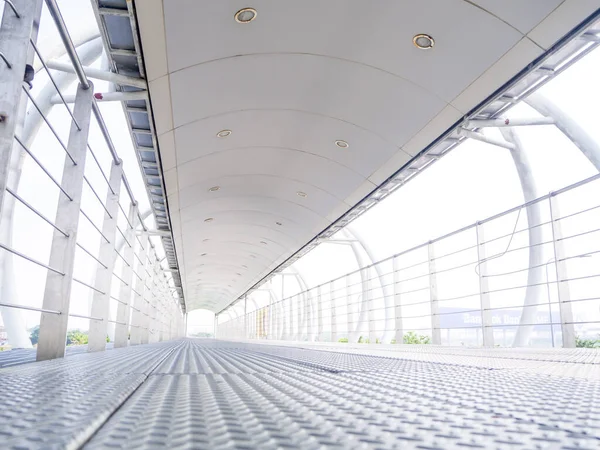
{"x":436,"y":333}
{"x":57,"y":295}
{"x":564,"y":293}
{"x":372,"y":337}
{"x":334,"y":333}
{"x":139,"y":304}
{"x":104,"y":273}
{"x":399,"y":332}
{"x":123,"y":309}
{"x":319,"y":315}
{"x":146,"y":297}
{"x":484,"y":295}
{"x":15,"y":33}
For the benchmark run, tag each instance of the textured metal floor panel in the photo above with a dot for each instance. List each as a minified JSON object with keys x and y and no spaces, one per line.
{"x":22,"y":356}
{"x":203,"y":394}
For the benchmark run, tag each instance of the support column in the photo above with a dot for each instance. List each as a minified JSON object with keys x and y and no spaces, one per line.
{"x":371,"y":312}
{"x":57,"y":294}
{"x":146,"y":297}
{"x":139,"y":304}
{"x":398,"y":329}
{"x":104,"y":273}
{"x":319,"y":315}
{"x":123,"y":308}
{"x":436,"y":333}
{"x":564,"y":293}
{"x":334,"y":333}
{"x":484,"y":295}
{"x":15,"y":33}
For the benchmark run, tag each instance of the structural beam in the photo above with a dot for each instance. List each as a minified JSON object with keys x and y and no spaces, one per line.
{"x":104,"y":273}
{"x":506,"y":122}
{"x":57,"y":295}
{"x":99,"y":74}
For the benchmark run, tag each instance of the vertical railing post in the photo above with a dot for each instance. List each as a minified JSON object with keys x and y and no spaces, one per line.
{"x":15,"y":33}
{"x":245,"y":317}
{"x":334,"y":333}
{"x":139,"y":304}
{"x":319,"y":315}
{"x":349,"y":310}
{"x":148,"y":309}
{"x":57,"y":294}
{"x":484,"y":296}
{"x":436,"y":332}
{"x":399,"y":332}
{"x":370,"y":310}
{"x":123,"y":310}
{"x":104,"y":272}
{"x":569,"y":339}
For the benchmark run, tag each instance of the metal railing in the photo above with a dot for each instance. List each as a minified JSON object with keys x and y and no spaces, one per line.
{"x":526,"y":276}
{"x":155,"y":310}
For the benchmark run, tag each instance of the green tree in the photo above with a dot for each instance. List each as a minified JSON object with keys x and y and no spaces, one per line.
{"x":587,"y":343}
{"x":77,"y":337}
{"x":343,"y":340}
{"x":34,"y":335}
{"x":413,"y":338}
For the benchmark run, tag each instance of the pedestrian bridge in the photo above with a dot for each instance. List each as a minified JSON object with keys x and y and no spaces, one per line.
{"x":306,"y":224}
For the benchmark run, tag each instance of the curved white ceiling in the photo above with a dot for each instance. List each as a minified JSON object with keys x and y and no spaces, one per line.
{"x":289,"y":84}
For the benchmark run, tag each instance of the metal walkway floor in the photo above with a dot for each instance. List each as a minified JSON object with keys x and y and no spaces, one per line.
{"x":204,"y":394}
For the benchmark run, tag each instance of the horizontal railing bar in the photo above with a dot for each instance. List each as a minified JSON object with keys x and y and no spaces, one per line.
{"x":122,"y":257}
{"x":29,"y":308}
{"x":35,"y":211}
{"x":120,"y":301}
{"x":62,"y":144}
{"x":97,"y":196}
{"x":91,"y":255}
{"x":39,"y":55}
{"x":79,"y":316}
{"x":40,"y":165}
{"x":94,"y":225}
{"x":41,"y":264}
{"x":120,"y":279}
{"x":83,"y":283}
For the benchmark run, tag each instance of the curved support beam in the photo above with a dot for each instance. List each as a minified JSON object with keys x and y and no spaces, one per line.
{"x":534,"y":217}
{"x":569,"y":126}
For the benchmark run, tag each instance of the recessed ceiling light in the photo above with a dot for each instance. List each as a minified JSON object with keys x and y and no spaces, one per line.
{"x":238,"y":274}
{"x":204,"y":254}
{"x":214,"y":189}
{"x":244,"y":266}
{"x":301,"y":194}
{"x":263,"y":242}
{"x":205,"y":240}
{"x":342,"y":144}
{"x":224,"y":133}
{"x":278,"y":223}
{"x":210,"y":219}
{"x":245,"y":15}
{"x":423,"y":41}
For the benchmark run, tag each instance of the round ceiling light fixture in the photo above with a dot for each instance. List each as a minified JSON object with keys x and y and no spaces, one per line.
{"x":301,"y":194}
{"x":238,"y":274}
{"x":244,"y":266}
{"x":209,"y":219}
{"x":214,"y":189}
{"x":204,"y":254}
{"x":263,"y":242}
{"x":205,"y":240}
{"x":245,"y":15}
{"x":224,"y":133}
{"x":342,"y":144}
{"x":278,"y":223}
{"x":423,"y":41}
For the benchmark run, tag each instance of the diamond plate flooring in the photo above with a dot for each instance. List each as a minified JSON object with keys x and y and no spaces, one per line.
{"x":205,"y":394}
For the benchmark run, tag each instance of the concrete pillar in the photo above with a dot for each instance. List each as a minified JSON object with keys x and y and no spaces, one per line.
{"x":436,"y":333}
{"x":15,"y":33}
{"x":334,"y":331}
{"x":398,"y":328}
{"x":564,"y":293}
{"x":57,"y":295}
{"x":104,"y":274}
{"x":123,"y":307}
{"x":139,"y":303}
{"x":484,"y":295}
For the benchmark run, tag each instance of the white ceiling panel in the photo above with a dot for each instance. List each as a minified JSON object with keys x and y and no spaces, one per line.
{"x":309,"y":133}
{"x":288,"y":85}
